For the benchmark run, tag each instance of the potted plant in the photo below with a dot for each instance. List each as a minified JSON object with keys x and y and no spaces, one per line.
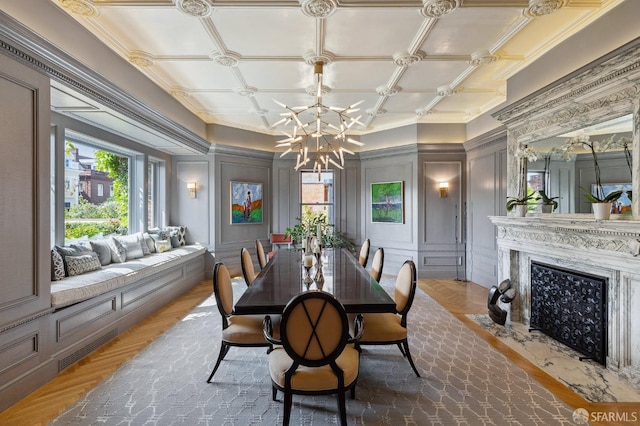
{"x":520,"y":205}
{"x":600,"y":202}
{"x":548,"y":204}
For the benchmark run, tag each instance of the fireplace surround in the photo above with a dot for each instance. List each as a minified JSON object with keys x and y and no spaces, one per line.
{"x":606,"y":249}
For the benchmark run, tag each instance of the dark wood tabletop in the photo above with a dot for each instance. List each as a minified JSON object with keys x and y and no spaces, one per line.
{"x":284,"y":277}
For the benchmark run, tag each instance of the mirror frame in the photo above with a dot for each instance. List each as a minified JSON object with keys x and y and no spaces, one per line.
{"x":604,"y":89}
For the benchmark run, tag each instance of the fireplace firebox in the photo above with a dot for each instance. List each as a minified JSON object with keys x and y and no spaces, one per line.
{"x":570,"y":307}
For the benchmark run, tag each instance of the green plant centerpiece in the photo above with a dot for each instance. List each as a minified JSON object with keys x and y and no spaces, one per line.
{"x":547,"y":201}
{"x":308,"y":225}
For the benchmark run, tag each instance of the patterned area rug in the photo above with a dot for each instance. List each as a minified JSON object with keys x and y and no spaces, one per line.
{"x":587,"y":378}
{"x":464,"y":382}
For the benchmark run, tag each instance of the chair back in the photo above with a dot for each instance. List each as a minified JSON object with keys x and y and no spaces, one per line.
{"x":314,"y":329}
{"x":377,"y":264}
{"x":248,"y":272}
{"x":222,"y":289}
{"x":262,"y":257}
{"x":405,"y":288}
{"x":363,"y":257}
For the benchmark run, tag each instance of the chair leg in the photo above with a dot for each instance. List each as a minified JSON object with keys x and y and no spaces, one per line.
{"x":405,"y":343}
{"x":274,"y":392}
{"x":288,"y":401}
{"x":342,"y":407}
{"x":353,"y":392}
{"x":401,"y":349}
{"x":224,"y":348}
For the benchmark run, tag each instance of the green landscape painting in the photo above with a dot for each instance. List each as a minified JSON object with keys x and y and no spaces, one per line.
{"x":387,"y":202}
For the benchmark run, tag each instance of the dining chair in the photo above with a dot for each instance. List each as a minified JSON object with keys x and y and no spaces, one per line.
{"x":363,"y":256}
{"x":248,"y":272}
{"x":391,"y":328}
{"x":262,"y":257}
{"x":237,"y":330}
{"x":376,"y":264}
{"x":314,"y":354}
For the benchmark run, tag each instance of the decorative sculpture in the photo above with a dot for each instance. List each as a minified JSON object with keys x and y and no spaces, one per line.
{"x":506,"y":294}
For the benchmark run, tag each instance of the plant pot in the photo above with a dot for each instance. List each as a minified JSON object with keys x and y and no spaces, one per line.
{"x":601,"y":211}
{"x":520,"y":210}
{"x":546,"y":208}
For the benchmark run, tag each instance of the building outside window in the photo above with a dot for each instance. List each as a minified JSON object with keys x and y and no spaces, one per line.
{"x":100,"y":190}
{"x":317,"y":194}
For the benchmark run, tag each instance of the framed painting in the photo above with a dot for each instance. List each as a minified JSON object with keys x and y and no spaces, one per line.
{"x":623,"y":204}
{"x":246,"y":203}
{"x":387,"y":202}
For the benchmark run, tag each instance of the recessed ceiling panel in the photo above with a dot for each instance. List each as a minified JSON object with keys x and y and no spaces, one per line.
{"x":197,"y":75}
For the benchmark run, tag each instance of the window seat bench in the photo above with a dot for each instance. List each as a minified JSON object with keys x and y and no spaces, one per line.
{"x":72,"y":290}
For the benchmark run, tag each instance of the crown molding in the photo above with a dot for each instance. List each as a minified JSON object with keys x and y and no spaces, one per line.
{"x":20,"y":43}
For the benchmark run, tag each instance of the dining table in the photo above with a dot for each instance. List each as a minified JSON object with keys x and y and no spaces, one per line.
{"x":336,"y":271}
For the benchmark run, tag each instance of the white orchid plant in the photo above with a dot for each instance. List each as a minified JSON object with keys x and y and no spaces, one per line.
{"x":567,"y":151}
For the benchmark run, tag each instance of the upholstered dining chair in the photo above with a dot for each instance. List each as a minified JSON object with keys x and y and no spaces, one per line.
{"x":377,"y":263}
{"x":237,"y":330}
{"x":363,"y":256}
{"x":391,"y":328}
{"x":316,"y":355}
{"x":248,"y":272}
{"x":262,"y":257}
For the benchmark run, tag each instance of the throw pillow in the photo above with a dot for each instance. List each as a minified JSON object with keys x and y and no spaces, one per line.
{"x":151,"y":246}
{"x":174,"y":238}
{"x":102,"y":249}
{"x":118,"y":252}
{"x":72,"y":250}
{"x":57,"y":266}
{"x":182,"y":231}
{"x":162,"y":246}
{"x":80,"y":264}
{"x":132,"y":246}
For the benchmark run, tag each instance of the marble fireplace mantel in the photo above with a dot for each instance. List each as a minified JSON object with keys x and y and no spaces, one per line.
{"x":609,"y":249}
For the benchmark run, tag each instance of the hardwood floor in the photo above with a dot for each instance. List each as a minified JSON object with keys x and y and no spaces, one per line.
{"x":459,"y":297}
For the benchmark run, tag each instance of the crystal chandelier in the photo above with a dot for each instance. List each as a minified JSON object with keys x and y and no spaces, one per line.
{"x":318,"y":135}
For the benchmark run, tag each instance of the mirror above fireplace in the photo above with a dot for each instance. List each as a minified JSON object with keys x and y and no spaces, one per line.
{"x":601,"y":92}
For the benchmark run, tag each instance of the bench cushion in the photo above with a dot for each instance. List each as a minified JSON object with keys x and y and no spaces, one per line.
{"x":82,"y":287}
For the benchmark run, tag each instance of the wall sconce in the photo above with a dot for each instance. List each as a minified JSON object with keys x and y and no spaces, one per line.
{"x":444,"y":189}
{"x":191,"y":186}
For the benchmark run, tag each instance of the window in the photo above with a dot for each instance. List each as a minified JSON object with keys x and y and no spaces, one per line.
{"x":151,"y":208}
{"x":88,"y":213}
{"x":316,"y":191}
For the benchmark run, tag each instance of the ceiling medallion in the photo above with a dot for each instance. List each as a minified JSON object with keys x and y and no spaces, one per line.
{"x":313,"y":90}
{"x":405,"y":59}
{"x":229,"y":59}
{"x":438,"y":8}
{"x":248,"y":91}
{"x":388,"y":91}
{"x":260,"y":112}
{"x":376,"y":112}
{"x":445,"y":91}
{"x":179,"y":92}
{"x":539,"y":8}
{"x":325,"y":58}
{"x":318,"y":8}
{"x":80,"y":7}
{"x":141,"y":59}
{"x":421,"y":112}
{"x":196,"y":8}
{"x":482,"y":57}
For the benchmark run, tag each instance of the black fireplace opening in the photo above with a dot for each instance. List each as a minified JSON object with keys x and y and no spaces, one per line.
{"x":570,"y":307}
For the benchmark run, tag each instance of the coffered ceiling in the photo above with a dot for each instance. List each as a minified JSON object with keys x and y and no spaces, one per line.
{"x":430,"y":61}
